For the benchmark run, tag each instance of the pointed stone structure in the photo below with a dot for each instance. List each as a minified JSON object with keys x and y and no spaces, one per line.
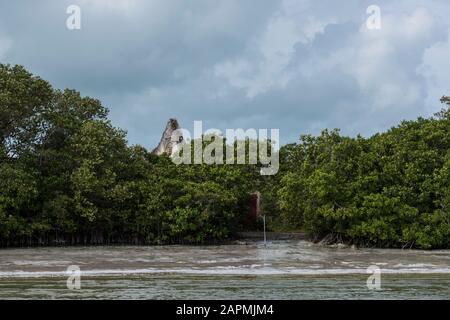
{"x":169,"y":141}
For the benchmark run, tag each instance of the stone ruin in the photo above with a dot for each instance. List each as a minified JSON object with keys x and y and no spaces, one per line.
{"x":169,"y":141}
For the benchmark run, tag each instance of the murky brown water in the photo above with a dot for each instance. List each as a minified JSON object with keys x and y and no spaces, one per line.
{"x":282,"y":270}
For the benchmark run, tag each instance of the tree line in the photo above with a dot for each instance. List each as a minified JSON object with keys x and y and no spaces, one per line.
{"x":389,"y":190}
{"x":68,"y":176}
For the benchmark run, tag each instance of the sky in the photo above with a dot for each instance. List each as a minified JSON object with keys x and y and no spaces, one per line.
{"x":296,"y":65}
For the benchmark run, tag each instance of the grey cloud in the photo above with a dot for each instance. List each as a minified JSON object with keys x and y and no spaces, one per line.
{"x":297,"y":65}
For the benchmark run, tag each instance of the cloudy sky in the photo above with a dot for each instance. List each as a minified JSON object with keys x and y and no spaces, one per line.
{"x":296,"y":65}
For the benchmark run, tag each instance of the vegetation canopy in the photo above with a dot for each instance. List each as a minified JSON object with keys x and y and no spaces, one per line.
{"x":67,"y":176}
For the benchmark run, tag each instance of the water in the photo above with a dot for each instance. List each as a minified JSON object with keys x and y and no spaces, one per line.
{"x":281,"y":270}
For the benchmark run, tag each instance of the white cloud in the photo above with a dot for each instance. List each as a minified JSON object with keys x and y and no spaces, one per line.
{"x":372,"y":57}
{"x":268,"y":56}
{"x":314,"y":67}
{"x":385,"y":60}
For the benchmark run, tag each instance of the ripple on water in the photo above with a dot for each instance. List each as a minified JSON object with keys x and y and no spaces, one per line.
{"x":292,"y":269}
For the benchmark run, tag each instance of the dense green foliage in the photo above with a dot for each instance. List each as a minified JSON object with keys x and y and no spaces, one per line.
{"x":68,"y":176}
{"x":392,"y":189}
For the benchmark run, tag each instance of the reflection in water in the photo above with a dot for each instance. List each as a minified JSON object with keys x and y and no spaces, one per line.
{"x":282,"y":270}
